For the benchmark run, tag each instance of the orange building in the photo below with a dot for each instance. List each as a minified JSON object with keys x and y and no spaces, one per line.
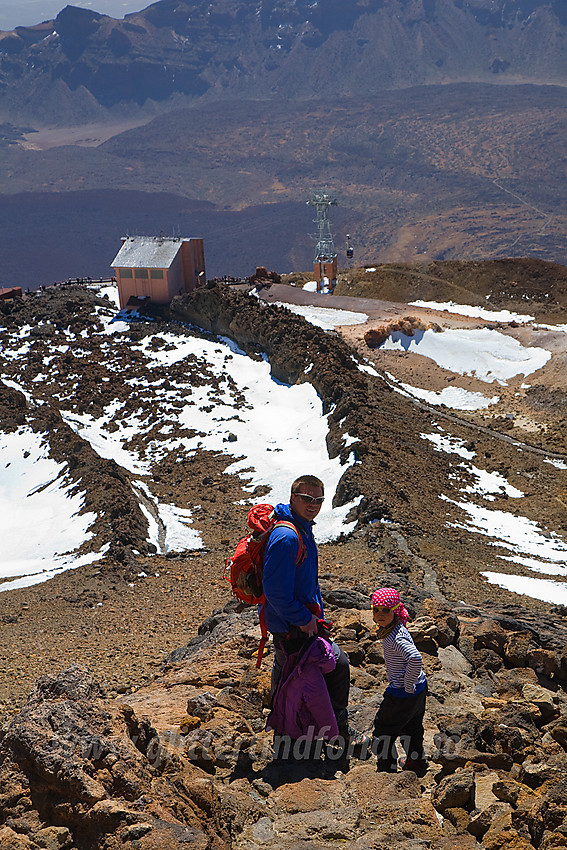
{"x":158,"y":267}
{"x":11,"y":292}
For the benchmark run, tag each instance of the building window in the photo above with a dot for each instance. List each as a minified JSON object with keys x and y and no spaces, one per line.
{"x":156,"y":274}
{"x":125,"y":272}
{"x":143,"y":273}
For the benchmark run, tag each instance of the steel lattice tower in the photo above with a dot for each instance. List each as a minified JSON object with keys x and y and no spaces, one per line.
{"x":325,"y":262}
{"x":325,"y":248}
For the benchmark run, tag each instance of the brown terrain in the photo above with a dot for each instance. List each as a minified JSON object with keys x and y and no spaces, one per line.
{"x":454,"y":171}
{"x":184,"y":757}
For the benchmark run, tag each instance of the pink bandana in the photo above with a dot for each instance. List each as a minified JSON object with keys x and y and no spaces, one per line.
{"x":387,"y":597}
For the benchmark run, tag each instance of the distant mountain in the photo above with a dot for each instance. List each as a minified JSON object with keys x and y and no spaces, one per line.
{"x":439,"y":124}
{"x":83,"y":63}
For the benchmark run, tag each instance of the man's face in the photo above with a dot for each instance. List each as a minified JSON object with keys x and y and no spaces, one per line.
{"x":306,"y":508}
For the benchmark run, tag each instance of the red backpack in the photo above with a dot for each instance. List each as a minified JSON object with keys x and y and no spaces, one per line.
{"x":244,"y":569}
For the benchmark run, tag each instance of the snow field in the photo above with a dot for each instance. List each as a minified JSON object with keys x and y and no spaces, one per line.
{"x":41,"y":526}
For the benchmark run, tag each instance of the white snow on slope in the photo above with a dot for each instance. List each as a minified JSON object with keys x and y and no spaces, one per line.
{"x":454,"y":397}
{"x":325,"y":317}
{"x":273,"y":432}
{"x":260,"y":445}
{"x":537,"y":588}
{"x":482,"y":353}
{"x":520,"y":535}
{"x":488,"y":484}
{"x":474,"y":312}
{"x":556,"y":328}
{"x":40,"y":522}
{"x":278,"y":434}
{"x":532,"y":547}
{"x":110,"y":444}
{"x":485,"y":484}
{"x":173,"y":533}
{"x":452,"y":445}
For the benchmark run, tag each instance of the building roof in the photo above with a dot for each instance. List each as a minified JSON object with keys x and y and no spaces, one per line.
{"x":148,"y":252}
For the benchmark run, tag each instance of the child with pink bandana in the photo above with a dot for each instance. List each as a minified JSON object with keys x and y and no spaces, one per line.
{"x":403,"y":706}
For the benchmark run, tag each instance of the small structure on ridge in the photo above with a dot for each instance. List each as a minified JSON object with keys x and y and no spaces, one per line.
{"x":10,"y":292}
{"x":158,"y":267}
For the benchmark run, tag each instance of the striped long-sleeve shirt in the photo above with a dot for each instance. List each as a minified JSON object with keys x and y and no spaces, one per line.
{"x":403,"y":663}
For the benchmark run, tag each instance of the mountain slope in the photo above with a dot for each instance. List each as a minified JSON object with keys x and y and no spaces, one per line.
{"x":170,"y":420}
{"x":254,"y":109}
{"x":84,"y":63}
{"x":455,"y":171}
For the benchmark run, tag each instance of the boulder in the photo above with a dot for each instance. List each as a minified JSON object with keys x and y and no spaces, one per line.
{"x":535,"y":773}
{"x":542,"y":698}
{"x":458,"y":817}
{"x":484,"y":795}
{"x":493,"y":816}
{"x":91,"y":763}
{"x":543,"y":661}
{"x":559,"y":734}
{"x":11,"y":840}
{"x":516,"y":648}
{"x":375,"y":653}
{"x":484,"y":634}
{"x":263,"y":278}
{"x":552,"y":840}
{"x":455,"y":791}
{"x":502,"y":837}
{"x":423,"y":630}
{"x":486,"y":660}
{"x":468,"y":739}
{"x":510,"y":683}
{"x":445,"y":619}
{"x":354,"y":652}
{"x":562,"y":665}
{"x":344,"y":597}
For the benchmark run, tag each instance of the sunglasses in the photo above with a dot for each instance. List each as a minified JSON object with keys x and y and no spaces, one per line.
{"x":311,"y":500}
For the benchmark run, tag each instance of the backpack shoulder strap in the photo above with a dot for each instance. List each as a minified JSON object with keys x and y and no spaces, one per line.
{"x":301,"y":550}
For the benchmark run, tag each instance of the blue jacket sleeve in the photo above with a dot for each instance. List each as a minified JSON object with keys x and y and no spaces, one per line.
{"x":280,"y":576}
{"x":320,"y":603}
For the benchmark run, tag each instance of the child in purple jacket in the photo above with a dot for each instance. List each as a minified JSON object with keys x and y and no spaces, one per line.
{"x":403,"y":706}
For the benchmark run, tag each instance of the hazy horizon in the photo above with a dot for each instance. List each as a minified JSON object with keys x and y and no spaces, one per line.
{"x":26,"y":13}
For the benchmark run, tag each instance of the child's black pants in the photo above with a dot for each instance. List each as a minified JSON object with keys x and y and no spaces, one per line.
{"x":399,"y":718}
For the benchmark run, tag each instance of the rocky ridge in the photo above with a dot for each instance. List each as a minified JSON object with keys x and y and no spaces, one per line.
{"x":186,"y":761}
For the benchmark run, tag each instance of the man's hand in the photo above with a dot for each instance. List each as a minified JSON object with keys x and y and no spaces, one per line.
{"x":310,"y":628}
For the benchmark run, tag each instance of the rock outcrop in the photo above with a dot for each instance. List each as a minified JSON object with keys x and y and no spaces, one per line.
{"x":408,"y":326}
{"x":186,"y":761}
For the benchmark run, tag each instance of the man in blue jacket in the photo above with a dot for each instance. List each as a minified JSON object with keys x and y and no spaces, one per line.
{"x":293,"y":598}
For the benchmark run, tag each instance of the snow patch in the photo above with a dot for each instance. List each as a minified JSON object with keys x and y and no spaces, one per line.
{"x":482,"y":353}
{"x":41,"y":524}
{"x":474,"y":312}
{"x":454,"y":397}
